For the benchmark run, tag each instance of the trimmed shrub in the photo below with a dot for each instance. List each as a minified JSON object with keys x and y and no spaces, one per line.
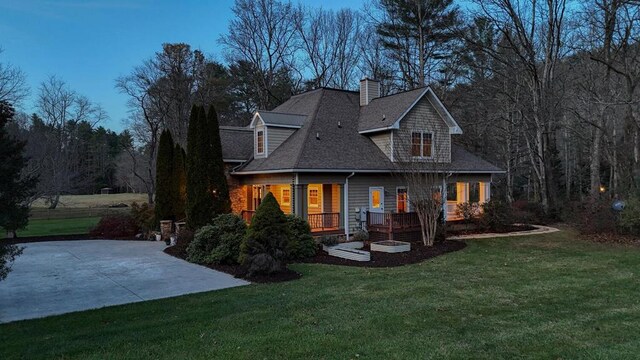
{"x":630,"y":216}
{"x":203,"y":243}
{"x":264,"y":248}
{"x":231,"y":232}
{"x":301,"y":244}
{"x":116,"y":227}
{"x":329,"y":240}
{"x":496,"y":215}
{"x":468,"y":211}
{"x":144,"y":217}
{"x":360,"y":235}
{"x":219,"y":242}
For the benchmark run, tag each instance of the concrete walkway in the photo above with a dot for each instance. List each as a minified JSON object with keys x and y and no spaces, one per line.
{"x":57,"y":277}
{"x":539,"y":229}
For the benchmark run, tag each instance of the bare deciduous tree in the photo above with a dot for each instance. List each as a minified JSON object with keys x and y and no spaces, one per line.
{"x":13,"y":83}
{"x":263,"y":34}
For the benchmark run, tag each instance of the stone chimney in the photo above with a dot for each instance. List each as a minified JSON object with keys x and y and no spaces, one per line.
{"x":369,"y":90}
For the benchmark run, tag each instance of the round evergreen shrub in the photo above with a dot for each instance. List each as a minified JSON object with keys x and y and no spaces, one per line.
{"x":219,"y":242}
{"x":231,"y":231}
{"x":264,"y":248}
{"x":301,"y":244}
{"x":202,"y":245}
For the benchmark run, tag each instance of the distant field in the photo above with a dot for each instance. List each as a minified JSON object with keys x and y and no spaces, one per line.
{"x":84,"y":206}
{"x":53,"y":227}
{"x":94,"y":201}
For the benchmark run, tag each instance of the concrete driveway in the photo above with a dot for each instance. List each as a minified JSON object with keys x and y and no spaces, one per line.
{"x":57,"y":277}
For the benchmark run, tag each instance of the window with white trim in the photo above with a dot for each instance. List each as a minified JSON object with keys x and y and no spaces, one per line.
{"x":285,"y":196}
{"x":314,"y":196}
{"x":260,"y":142}
{"x":422,"y":144}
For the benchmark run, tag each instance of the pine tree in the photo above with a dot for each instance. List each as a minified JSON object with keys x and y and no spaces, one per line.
{"x":265,"y":246}
{"x":217,"y":179}
{"x":179,"y":182}
{"x":165,"y":194}
{"x":15,"y":189}
{"x":199,"y":202}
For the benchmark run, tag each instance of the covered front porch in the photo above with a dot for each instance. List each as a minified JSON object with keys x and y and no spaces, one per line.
{"x":320,"y":204}
{"x":401,"y":223}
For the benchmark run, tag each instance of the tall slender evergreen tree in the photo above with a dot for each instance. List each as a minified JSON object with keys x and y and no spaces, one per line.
{"x":179,"y":181}
{"x":165,"y":194}
{"x":217,"y":179}
{"x":199,"y":202}
{"x":15,"y":188}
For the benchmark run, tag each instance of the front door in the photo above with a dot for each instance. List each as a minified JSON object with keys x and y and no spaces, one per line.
{"x":376,"y":199}
{"x":376,"y":205}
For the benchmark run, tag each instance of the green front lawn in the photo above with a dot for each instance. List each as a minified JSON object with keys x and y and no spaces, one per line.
{"x":548,"y":297}
{"x":41,"y":227}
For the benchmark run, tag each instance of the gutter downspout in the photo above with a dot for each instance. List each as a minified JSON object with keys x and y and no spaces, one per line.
{"x":346,"y":205}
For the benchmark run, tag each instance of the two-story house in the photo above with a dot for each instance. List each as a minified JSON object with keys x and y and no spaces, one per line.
{"x":331,"y":155}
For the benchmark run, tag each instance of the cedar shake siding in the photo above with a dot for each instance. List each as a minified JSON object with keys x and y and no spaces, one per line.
{"x":383,"y":141}
{"x":423,"y":118}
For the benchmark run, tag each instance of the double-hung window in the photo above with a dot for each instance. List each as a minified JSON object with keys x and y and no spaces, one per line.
{"x":422,"y":144}
{"x":260,"y":142}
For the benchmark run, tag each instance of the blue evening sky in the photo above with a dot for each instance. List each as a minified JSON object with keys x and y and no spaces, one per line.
{"x":90,"y":43}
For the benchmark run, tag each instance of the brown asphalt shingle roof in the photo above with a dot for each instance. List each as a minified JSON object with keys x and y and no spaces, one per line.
{"x":237,"y":143}
{"x":385,"y":111}
{"x":329,"y":139}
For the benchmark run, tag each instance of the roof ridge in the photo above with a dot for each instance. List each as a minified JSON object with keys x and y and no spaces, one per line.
{"x":234,"y":128}
{"x":401,"y":92}
{"x":281,"y":113}
{"x":310,"y":120}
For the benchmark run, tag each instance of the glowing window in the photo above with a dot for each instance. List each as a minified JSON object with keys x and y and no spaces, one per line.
{"x":375,"y":199}
{"x":314,"y":197}
{"x":286,"y":196}
{"x":401,"y":200}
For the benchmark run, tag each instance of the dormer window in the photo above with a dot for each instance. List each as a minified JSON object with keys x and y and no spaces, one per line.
{"x":260,"y":142}
{"x":421,"y":144}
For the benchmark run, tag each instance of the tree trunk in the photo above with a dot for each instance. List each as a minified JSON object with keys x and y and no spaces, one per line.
{"x":594,"y":166}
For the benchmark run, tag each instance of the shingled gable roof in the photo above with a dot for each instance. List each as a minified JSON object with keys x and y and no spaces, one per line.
{"x":328,"y":140}
{"x":237,"y":143}
{"x":277,"y":119}
{"x":385,"y":113}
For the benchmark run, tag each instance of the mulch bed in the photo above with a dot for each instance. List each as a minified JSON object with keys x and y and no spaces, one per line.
{"x":612,"y":238}
{"x":504,"y":230}
{"x":180,"y":251}
{"x":418,"y":253}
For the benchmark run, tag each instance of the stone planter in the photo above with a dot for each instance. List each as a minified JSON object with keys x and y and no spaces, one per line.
{"x":390,"y":246}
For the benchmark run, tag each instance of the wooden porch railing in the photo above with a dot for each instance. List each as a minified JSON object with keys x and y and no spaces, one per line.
{"x":317,"y":222}
{"x":324,"y":221}
{"x":395,"y":220}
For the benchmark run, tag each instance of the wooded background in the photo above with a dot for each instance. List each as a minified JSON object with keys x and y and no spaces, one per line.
{"x":545,"y":89}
